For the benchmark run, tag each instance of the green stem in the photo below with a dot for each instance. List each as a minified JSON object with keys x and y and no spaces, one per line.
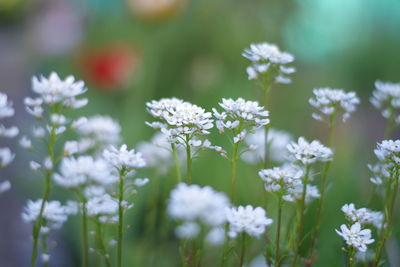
{"x":234,"y":160}
{"x":301,"y":221}
{"x":350,"y":257}
{"x":266,"y":127}
{"x":120,"y":217}
{"x":101,"y":243}
{"x":224,"y":247}
{"x":85,"y":240}
{"x":324,"y":185}
{"x":38,"y":224}
{"x":242,"y":250}
{"x":188,"y":161}
{"x":389,"y":125}
{"x":176,"y":161}
{"x":389,"y":220}
{"x":278,"y":233}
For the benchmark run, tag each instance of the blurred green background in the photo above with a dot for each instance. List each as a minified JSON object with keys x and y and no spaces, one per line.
{"x":132,"y":51}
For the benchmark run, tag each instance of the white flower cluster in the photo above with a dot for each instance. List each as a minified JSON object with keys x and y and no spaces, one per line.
{"x":6,"y":156}
{"x":197,"y":206}
{"x":53,"y":91}
{"x":252,"y":221}
{"x":277,"y":141}
{"x":282,"y":179}
{"x":54,"y":214}
{"x":268,"y":60}
{"x":103,"y":206}
{"x":296,"y":193}
{"x":386,"y":98}
{"x":363,"y":215}
{"x":309,"y":153}
{"x":179,"y":119}
{"x":123,"y":158}
{"x":381,"y":172}
{"x":83,"y":171}
{"x":356,"y":237}
{"x":388,"y":151}
{"x":330,"y":101}
{"x":240,"y":116}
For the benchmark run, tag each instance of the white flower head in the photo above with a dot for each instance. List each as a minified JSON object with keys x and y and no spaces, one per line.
{"x":103,"y":205}
{"x":388,"y":151}
{"x":309,"y":153}
{"x":381,"y":172}
{"x":6,"y":157}
{"x":187,"y":230}
{"x":124,"y":158}
{"x":331,"y":101}
{"x":53,"y":90}
{"x":8,"y":132}
{"x":296,"y":193}
{"x":102,"y":129}
{"x":268,"y":59}
{"x":5,"y":186}
{"x":281,"y":179}
{"x":247,"y":220}
{"x":355,"y":236}
{"x":6,"y":109}
{"x":195,"y":203}
{"x":386,"y":98}
{"x":363,"y":215}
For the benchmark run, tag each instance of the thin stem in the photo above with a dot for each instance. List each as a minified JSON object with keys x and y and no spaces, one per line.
{"x":45,"y":250}
{"x":390,"y":123}
{"x":38,"y":224}
{"x":324,"y":185}
{"x":188,"y":161}
{"x":224,"y":247}
{"x":234,"y":160}
{"x":85,"y":242}
{"x":266,"y":127}
{"x":120,"y":217}
{"x":350,"y":257}
{"x":278,"y":233}
{"x":242,"y":250}
{"x":389,"y":221}
{"x":176,"y":161}
{"x":101,"y":243}
{"x":301,"y":221}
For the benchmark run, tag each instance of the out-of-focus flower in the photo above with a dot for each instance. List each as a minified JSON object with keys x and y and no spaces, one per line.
{"x":100,"y":129}
{"x":156,"y":10}
{"x":110,"y":68}
{"x":247,"y":220}
{"x":124,"y":158}
{"x":277,"y":141}
{"x":388,"y":151}
{"x":5,"y":186}
{"x":386,"y":98}
{"x":6,"y":157}
{"x":363,"y":215}
{"x":281,"y":179}
{"x":329,"y":101}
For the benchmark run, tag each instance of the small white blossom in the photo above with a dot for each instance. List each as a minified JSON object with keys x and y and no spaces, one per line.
{"x":329,"y":101}
{"x":215,"y":236}
{"x":124,"y":158}
{"x":381,"y":172}
{"x":187,"y":230}
{"x":48,"y":163}
{"x":103,"y":129}
{"x":45,"y":257}
{"x":247,"y":220}
{"x":281,"y":179}
{"x":195,"y":203}
{"x":8,"y":132}
{"x":6,"y":157}
{"x":267,"y":52}
{"x":386,"y":98}
{"x":296,"y":193}
{"x":5,"y":186}
{"x":39,"y":132}
{"x":388,"y":151}
{"x":6,"y":109}
{"x":355,"y":236}
{"x":102,"y":205}
{"x":25,"y":142}
{"x":363,"y":215}
{"x":309,"y":153}
{"x":34,"y":165}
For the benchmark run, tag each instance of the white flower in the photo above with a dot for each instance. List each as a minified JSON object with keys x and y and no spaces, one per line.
{"x":39,"y":132}
{"x":240,"y":116}
{"x":355,"y":236}
{"x":187,"y":230}
{"x":247,"y":220}
{"x":48,"y":163}
{"x":8,"y":132}
{"x":195,"y":203}
{"x":6,"y":109}
{"x":5,"y":186}
{"x":139,"y":182}
{"x":277,"y":141}
{"x":58,"y":119}
{"x":34,"y":165}
{"x":54,"y":214}
{"x":381,"y":172}
{"x":92,"y":191}
{"x":75,"y":172}
{"x":215,"y":236}
{"x":25,"y":142}
{"x":363,"y":215}
{"x":267,"y":52}
{"x":45,"y":257}
{"x":388,"y":151}
{"x":101,"y":128}
{"x":296,"y":193}
{"x":53,"y":90}
{"x":281,"y":178}
{"x":329,"y":101}
{"x":102,"y":205}
{"x":267,"y":58}
{"x":309,"y":153}
{"x":386,"y":98}
{"x":6,"y":157}
{"x":124,"y":158}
